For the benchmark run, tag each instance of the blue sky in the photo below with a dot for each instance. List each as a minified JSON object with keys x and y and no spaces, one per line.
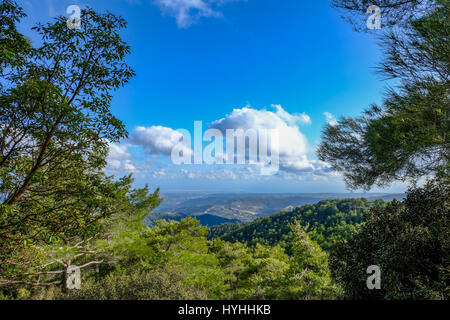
{"x":198,"y":60}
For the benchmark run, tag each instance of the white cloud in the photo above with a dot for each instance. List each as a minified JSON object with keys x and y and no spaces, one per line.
{"x":291,"y":119}
{"x":121,"y":167}
{"x":187,"y":12}
{"x":119,"y":159}
{"x":157,"y":139}
{"x":159,"y":173}
{"x":114,"y":164}
{"x":293,"y":144}
{"x":118,"y":152}
{"x":291,"y":141}
{"x":330,"y":119}
{"x":128,"y":166}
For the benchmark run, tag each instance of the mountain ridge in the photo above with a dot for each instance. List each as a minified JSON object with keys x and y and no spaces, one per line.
{"x":230,"y":207}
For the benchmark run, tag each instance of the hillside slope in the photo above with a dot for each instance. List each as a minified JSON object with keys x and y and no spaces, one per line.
{"x":327,"y":221}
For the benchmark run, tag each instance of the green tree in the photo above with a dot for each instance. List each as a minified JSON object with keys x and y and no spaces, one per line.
{"x":234,"y":259}
{"x":267,"y":270}
{"x":184,"y":245}
{"x":404,"y":139}
{"x":308,"y":277}
{"x":48,"y":263}
{"x":408,"y":137}
{"x":326,"y":222}
{"x":13,"y":45}
{"x":160,"y":284}
{"x":410,"y":243}
{"x":175,"y":245}
{"x":251,"y":273}
{"x":56,"y":127}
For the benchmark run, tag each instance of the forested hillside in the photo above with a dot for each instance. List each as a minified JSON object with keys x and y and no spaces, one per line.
{"x":326,"y":221}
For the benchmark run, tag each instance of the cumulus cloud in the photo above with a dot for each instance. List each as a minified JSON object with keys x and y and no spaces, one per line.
{"x":330,"y":119}
{"x":128,"y":166}
{"x":118,"y":152}
{"x":291,"y":140}
{"x":121,"y":166}
{"x":187,"y":12}
{"x":292,"y":144}
{"x":157,"y":140}
{"x":291,"y":119}
{"x":119,"y":159}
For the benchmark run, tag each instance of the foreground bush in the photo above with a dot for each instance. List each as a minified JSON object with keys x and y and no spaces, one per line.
{"x":409,"y":241}
{"x":155,"y":285}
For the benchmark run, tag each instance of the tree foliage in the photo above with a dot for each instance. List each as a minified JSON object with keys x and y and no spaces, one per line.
{"x":47,"y":263}
{"x":408,"y":240}
{"x":394,"y":13}
{"x":326,"y":221}
{"x":13,"y":45}
{"x":408,"y":136}
{"x":55,"y":130}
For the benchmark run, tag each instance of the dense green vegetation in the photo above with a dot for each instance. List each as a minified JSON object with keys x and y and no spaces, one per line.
{"x":59,"y":209}
{"x":174,"y":260}
{"x":56,"y":126}
{"x":407,"y":136}
{"x":326,"y":221}
{"x":409,"y":241}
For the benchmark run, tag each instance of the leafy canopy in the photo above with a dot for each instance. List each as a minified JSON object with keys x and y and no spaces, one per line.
{"x":55,"y":130}
{"x":408,"y":136}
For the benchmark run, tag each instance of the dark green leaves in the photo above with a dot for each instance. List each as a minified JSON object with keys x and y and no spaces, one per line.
{"x":408,"y":136}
